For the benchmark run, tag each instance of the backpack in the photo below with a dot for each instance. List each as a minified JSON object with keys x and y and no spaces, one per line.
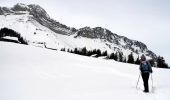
{"x":144,"y":67}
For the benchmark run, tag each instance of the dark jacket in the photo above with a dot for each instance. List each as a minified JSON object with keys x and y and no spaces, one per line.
{"x":145,"y":67}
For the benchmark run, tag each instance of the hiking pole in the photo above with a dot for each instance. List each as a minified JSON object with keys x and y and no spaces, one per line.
{"x":137,"y":81}
{"x":152,"y":81}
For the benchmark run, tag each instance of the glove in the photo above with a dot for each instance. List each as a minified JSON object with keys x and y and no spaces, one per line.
{"x":151,"y":71}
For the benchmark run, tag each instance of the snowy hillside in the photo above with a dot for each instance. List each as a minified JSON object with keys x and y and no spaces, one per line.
{"x":32,"y":73}
{"x":36,"y":26}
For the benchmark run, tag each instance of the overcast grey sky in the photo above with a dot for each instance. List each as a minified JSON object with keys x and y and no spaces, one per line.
{"x":144,"y":20}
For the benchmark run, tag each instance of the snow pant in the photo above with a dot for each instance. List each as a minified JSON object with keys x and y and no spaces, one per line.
{"x":145,"y":77}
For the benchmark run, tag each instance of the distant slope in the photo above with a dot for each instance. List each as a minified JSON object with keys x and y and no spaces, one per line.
{"x":31,"y":73}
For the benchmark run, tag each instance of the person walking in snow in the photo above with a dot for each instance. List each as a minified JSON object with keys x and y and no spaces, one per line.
{"x":145,"y":69}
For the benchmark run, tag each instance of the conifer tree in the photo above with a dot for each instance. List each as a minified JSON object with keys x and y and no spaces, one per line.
{"x":137,"y":61}
{"x":75,"y":51}
{"x":130,"y":58}
{"x":68,"y":50}
{"x":104,"y":53}
{"x":161,"y":62}
{"x":112,"y":56}
{"x":124,"y":60}
{"x":116,"y":56}
{"x":84,"y":51}
{"x":63,"y":49}
{"x":120,"y":56}
{"x":98,"y":52}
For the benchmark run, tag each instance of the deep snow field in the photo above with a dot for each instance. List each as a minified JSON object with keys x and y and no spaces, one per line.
{"x":34,"y":73}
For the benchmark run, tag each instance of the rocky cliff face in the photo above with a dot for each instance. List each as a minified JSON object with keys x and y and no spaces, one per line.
{"x":122,"y":41}
{"x":40,"y":15}
{"x":109,"y":39}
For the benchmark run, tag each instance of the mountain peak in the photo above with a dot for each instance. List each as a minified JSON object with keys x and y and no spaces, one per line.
{"x":20,"y":7}
{"x":33,"y":9}
{"x":40,"y":15}
{"x":38,"y":11}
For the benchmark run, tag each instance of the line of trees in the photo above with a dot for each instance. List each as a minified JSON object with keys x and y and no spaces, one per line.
{"x":161,"y":62}
{"x":9,"y":32}
{"x":118,"y":56}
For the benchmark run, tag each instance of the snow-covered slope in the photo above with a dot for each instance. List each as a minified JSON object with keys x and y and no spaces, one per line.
{"x":32,"y":73}
{"x":35,"y":25}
